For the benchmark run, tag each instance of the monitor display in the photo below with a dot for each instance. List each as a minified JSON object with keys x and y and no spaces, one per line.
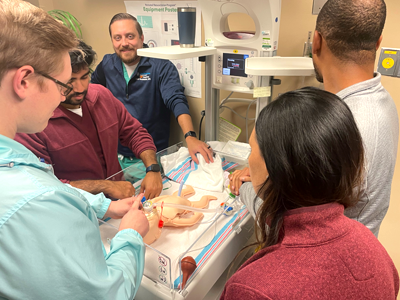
{"x":233,"y":64}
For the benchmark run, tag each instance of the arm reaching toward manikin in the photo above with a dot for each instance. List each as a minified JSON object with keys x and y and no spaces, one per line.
{"x":113,"y":189}
{"x":237,"y":178}
{"x":194,"y":145}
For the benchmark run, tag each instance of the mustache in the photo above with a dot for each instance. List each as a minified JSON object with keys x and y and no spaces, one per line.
{"x":77,"y":94}
{"x":126,"y":48}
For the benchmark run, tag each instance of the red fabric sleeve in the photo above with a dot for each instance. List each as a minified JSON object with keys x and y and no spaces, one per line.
{"x":131,"y":132}
{"x":36,"y":143}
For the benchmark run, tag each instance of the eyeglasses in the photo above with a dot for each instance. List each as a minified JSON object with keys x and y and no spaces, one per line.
{"x":65,"y":89}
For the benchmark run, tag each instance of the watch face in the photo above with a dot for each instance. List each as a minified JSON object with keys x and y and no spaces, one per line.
{"x":190,"y":133}
{"x":153,"y":168}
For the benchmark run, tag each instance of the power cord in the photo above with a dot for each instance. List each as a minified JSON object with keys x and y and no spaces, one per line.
{"x":239,"y":115}
{"x":203,"y":113}
{"x":222,"y":106}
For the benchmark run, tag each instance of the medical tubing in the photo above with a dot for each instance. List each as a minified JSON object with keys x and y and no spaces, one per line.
{"x":231,"y":100}
{"x":210,"y":219}
{"x":180,"y":188}
{"x":222,"y":102}
{"x":235,"y":112}
{"x":185,"y":207}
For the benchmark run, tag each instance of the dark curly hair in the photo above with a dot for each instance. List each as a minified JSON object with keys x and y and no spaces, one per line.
{"x":83,"y":57}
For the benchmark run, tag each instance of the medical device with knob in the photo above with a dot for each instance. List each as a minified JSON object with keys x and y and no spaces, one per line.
{"x":233,"y":48}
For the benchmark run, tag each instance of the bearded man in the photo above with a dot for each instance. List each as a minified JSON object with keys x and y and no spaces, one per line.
{"x":149,"y":88}
{"x":82,"y":137}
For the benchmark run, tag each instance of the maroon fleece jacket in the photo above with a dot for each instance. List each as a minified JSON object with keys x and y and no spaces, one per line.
{"x":69,"y":150}
{"x":322,"y":255}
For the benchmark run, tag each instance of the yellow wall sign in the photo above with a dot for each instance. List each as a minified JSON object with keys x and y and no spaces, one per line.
{"x":390,"y":52}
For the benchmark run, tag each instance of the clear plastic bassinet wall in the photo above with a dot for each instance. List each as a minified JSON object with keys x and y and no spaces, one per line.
{"x":212,"y":242}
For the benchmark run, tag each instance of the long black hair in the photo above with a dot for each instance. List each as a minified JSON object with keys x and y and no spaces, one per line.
{"x":313,"y":153}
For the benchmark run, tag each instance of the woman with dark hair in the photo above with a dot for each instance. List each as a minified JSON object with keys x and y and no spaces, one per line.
{"x":307,"y":165}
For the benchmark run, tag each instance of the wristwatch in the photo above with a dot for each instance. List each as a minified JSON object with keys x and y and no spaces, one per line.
{"x":190,"y":133}
{"x":153,"y":168}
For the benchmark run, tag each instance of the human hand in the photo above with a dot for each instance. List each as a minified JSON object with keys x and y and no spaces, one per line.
{"x":119,"y":189}
{"x":237,"y":178}
{"x":135,"y":218}
{"x":119,"y":208}
{"x":196,"y":146}
{"x":151,"y":185}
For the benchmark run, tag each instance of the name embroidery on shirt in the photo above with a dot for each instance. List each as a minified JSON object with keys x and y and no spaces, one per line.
{"x":144,"y":76}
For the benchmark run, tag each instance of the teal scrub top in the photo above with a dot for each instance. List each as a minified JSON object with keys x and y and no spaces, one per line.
{"x":50,"y":245}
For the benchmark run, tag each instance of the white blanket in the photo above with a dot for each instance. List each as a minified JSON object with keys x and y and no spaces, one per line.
{"x":180,"y":167}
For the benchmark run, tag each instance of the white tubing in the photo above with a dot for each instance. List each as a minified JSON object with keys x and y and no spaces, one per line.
{"x":210,"y":219}
{"x":185,"y":207}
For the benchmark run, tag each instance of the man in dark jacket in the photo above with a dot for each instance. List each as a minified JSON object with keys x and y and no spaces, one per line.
{"x":148,"y":87}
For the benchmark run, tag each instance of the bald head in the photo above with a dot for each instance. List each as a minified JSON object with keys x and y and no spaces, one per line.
{"x":352,"y":28}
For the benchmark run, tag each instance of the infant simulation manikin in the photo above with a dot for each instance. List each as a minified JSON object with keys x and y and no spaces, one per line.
{"x":171,"y":216}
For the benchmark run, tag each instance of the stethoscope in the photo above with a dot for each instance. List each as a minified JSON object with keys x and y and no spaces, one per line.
{"x":9,"y":165}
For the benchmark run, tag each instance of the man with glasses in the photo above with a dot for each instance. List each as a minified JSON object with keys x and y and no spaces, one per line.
{"x":65,"y":89}
{"x":50,"y":246}
{"x":81,"y":140}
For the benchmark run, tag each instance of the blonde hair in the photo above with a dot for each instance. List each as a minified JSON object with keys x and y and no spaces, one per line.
{"x":29,"y":36}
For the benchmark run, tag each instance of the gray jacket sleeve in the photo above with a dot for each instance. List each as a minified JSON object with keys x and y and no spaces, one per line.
{"x":249,"y":198}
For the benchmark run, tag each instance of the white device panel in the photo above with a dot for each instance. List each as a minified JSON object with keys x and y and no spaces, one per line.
{"x":229,"y":66}
{"x":317,"y":5}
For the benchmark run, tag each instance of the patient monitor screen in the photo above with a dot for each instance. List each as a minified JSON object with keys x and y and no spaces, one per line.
{"x":233,"y":64}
